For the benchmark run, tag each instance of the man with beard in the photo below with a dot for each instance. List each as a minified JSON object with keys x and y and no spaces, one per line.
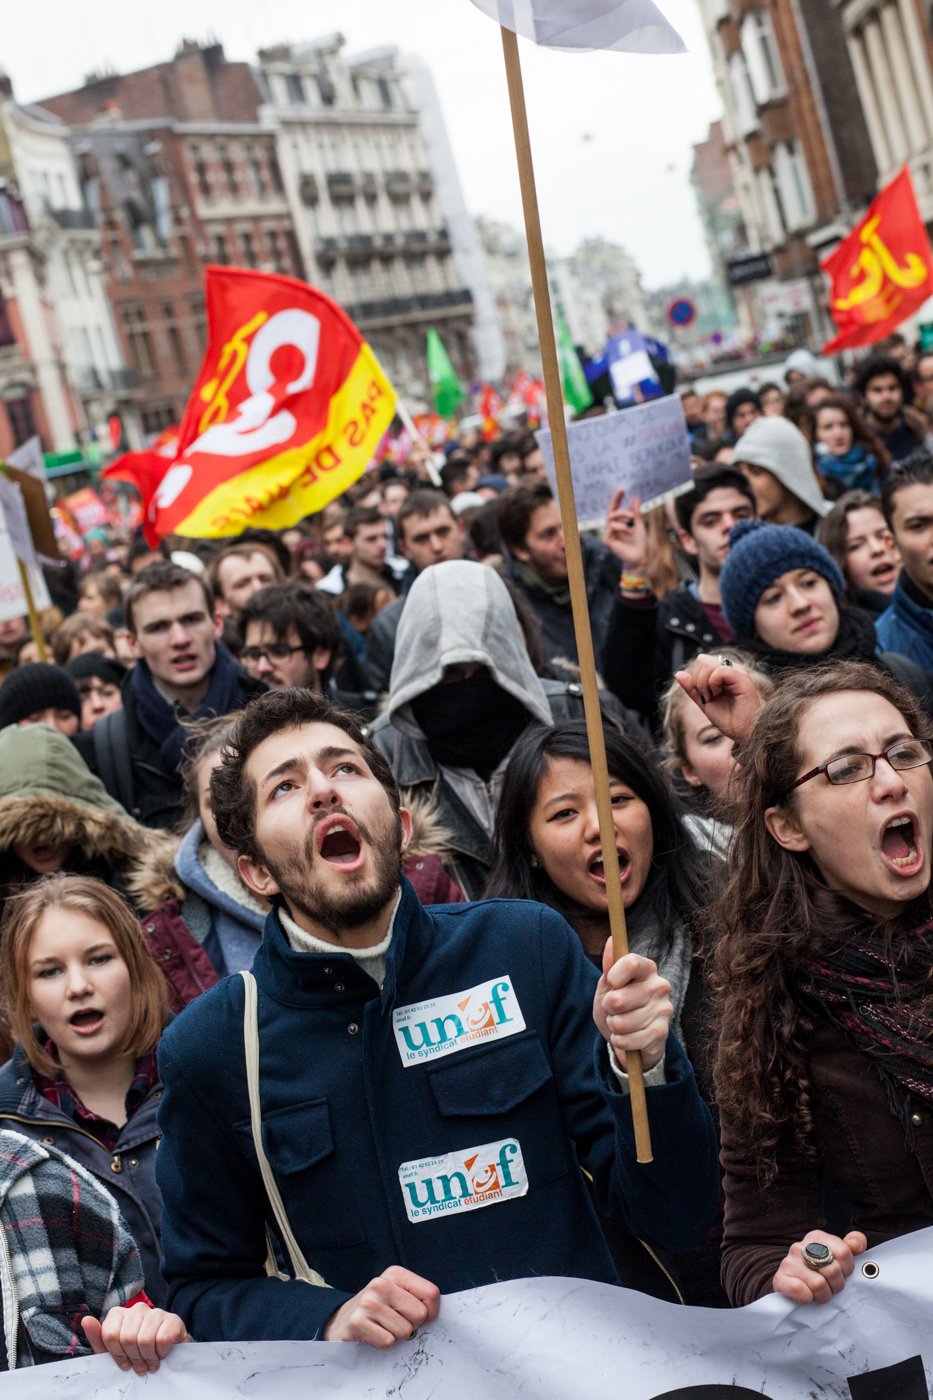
{"x":432,"y":1095}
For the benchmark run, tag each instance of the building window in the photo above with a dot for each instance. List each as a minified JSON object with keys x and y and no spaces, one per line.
{"x":229,"y":170}
{"x":158,"y":418}
{"x":137,"y":335}
{"x":793,"y":184}
{"x":249,"y":251}
{"x":745,"y":109}
{"x":6,"y":328}
{"x":255,"y":170}
{"x":761,"y":55}
{"x":175,"y":338}
{"x":295,"y":90}
{"x":774,"y":223}
{"x":200,"y":172}
{"x":294,"y":253}
{"x":22,"y":422}
{"x":275,"y":173}
{"x":220,"y":250}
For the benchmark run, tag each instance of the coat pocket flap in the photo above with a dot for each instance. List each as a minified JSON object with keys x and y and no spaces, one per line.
{"x":296,"y":1137}
{"x":493,"y":1079}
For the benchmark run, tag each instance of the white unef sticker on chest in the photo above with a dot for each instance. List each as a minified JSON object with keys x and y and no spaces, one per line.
{"x":428,"y":1030}
{"x":467,"y":1180}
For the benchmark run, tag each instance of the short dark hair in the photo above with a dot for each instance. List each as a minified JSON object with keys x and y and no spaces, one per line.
{"x":502,"y":447}
{"x":139,"y":547}
{"x":516,"y":507}
{"x":418,"y":505}
{"x":241,"y":548}
{"x":454,"y":470}
{"x":360,"y":516}
{"x":162,"y":577}
{"x":715,"y":477}
{"x":233,"y":793}
{"x":873,"y":368}
{"x":298,"y":605}
{"x":483,"y":530}
{"x":916,"y":469}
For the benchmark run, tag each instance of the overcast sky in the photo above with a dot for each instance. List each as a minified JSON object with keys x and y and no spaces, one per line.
{"x":612,"y":133}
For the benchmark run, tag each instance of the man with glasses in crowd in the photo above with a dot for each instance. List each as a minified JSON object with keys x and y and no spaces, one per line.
{"x":290,"y":638}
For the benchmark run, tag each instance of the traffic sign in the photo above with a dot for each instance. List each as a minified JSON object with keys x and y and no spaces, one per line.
{"x":682,"y":312}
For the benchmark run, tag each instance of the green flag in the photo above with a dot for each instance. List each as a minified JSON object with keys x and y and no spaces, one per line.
{"x":576,"y":390}
{"x":448,"y":395}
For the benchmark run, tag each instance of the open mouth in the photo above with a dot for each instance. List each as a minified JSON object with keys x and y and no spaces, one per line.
{"x":883,"y":573}
{"x":340,"y":844}
{"x":597,"y":870}
{"x":900,"y":845}
{"x":87,"y":1020}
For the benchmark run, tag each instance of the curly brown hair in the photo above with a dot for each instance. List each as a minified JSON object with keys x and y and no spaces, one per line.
{"x":776,"y":909}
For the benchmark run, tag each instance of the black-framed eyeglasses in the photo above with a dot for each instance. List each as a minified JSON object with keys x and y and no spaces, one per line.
{"x":857,"y":767}
{"x":278,"y":651}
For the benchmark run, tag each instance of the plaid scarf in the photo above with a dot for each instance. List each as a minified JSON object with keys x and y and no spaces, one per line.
{"x":879,"y":993}
{"x":58,"y":1091}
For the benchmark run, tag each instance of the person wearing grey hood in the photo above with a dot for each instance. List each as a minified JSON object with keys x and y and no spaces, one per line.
{"x":461,"y":692}
{"x":778,"y":463}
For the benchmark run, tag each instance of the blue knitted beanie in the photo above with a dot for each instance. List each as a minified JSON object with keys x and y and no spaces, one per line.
{"x":759,"y":554}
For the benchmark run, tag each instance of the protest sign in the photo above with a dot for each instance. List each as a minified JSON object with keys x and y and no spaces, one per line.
{"x":13,"y":600}
{"x":29,"y":459}
{"x":568,"y":1339}
{"x":644,"y":449}
{"x":37,"y":510}
{"x":17,"y":521}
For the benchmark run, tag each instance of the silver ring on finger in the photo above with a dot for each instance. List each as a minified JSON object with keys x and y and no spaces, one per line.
{"x":817,"y":1256}
{"x":725,"y":661}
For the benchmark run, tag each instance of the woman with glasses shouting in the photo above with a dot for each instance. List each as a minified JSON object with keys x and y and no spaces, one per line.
{"x":823,"y":971}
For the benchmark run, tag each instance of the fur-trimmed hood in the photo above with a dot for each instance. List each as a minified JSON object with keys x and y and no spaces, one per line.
{"x":48,"y":795}
{"x":151,"y":878}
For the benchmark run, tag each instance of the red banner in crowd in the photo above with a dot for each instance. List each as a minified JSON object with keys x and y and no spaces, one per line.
{"x":287,"y":411}
{"x":882,"y":272}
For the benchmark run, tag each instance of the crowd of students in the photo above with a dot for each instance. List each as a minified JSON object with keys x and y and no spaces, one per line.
{"x":310,"y":1013}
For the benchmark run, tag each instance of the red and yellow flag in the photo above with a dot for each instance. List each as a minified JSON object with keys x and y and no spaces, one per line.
{"x":882,"y":272}
{"x":286,"y":413}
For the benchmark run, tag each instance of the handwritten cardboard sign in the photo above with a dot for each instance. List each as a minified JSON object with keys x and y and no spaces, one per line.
{"x":645,"y":449}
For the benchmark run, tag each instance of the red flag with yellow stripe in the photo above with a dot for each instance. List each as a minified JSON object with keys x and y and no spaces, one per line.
{"x":286,"y":413}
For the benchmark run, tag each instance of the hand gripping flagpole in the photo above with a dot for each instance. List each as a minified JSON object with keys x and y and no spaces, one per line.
{"x":578,"y":598}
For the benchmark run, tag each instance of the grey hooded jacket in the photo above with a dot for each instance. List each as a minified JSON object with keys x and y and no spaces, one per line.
{"x":455,"y":613}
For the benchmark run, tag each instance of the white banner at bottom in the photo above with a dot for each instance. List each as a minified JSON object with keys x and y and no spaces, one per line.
{"x":561,"y":1339}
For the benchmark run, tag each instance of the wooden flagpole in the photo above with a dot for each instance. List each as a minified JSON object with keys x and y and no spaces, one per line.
{"x":35,"y":626}
{"x":576,"y":579}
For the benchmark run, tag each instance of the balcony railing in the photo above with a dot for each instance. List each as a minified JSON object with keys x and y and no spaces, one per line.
{"x":393,"y":307}
{"x":74,"y":218}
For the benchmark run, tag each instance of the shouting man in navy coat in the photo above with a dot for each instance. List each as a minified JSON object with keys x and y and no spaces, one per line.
{"x":434,"y":1085}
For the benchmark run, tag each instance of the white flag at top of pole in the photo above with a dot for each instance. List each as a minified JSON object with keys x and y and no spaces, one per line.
{"x":633,"y":26}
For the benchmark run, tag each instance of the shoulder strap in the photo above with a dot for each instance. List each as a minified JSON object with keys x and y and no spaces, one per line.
{"x":112,"y":752}
{"x":300,"y":1266}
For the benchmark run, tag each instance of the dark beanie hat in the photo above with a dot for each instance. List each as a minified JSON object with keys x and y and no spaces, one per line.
{"x":37,"y":686}
{"x":94,"y":663}
{"x":759,"y":554}
{"x":737,"y":398}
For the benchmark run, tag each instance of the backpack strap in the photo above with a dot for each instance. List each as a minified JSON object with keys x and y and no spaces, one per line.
{"x":300,"y":1266}
{"x":112,"y":755}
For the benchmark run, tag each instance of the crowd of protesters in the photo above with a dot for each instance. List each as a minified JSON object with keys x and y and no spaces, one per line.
{"x":301,"y":884}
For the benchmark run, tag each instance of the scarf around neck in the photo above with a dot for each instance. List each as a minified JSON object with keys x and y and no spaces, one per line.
{"x":855,"y":641}
{"x":558,"y":593}
{"x":161,"y":719}
{"x":879,"y":993}
{"x":855,"y":470}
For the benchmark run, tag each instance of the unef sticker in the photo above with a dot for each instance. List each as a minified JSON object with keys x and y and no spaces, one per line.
{"x":460,"y":1181}
{"x":428,"y":1030}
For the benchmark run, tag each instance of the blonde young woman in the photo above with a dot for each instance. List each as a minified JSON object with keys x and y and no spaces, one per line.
{"x":87,"y":1005}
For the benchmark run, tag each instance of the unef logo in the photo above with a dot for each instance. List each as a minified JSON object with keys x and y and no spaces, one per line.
{"x":459,"y":1181}
{"x":429,"y":1030}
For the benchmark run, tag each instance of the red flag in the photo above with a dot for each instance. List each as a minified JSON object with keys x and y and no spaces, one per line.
{"x":882,"y":272}
{"x":286,"y":412}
